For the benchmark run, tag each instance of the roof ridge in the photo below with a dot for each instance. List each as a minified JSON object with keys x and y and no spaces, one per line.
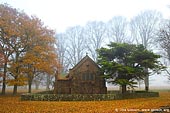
{"x":82,"y":61}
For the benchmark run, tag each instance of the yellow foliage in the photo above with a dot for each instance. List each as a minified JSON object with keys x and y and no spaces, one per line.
{"x":20,"y":81}
{"x":14,"y":105}
{"x":29,"y":42}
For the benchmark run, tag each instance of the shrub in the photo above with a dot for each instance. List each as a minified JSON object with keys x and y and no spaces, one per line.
{"x":85,"y":97}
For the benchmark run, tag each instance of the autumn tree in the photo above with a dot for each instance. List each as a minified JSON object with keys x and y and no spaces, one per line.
{"x":124,"y":63}
{"x":9,"y":20}
{"x":36,"y":62}
{"x":40,"y":56}
{"x":27,"y":45}
{"x":17,"y":43}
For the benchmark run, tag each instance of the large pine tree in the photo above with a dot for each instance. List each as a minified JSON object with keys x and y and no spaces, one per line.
{"x":125,"y":63}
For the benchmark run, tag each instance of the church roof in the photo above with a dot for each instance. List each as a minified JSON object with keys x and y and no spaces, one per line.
{"x":84,"y":60}
{"x":78,"y":65}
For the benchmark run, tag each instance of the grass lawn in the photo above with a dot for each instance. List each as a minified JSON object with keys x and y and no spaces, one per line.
{"x":12,"y":104}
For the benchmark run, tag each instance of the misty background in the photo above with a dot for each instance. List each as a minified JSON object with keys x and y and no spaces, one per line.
{"x":82,"y":26}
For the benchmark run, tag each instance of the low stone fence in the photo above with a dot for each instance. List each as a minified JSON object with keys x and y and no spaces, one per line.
{"x":85,"y":97}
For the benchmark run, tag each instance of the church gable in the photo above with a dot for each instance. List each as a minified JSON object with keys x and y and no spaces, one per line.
{"x":85,"y":62}
{"x":86,"y":65}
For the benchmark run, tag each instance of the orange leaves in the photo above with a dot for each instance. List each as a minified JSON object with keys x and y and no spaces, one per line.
{"x":20,"y":81}
{"x":40,"y":59}
{"x":14,"y":104}
{"x":2,"y":60}
{"x":29,"y":44}
{"x":9,"y":18}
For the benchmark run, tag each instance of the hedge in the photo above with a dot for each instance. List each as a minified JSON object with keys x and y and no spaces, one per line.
{"x":85,"y":97}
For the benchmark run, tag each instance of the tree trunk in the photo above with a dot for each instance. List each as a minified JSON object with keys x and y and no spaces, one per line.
{"x":123,"y":89}
{"x":15,"y":90}
{"x":16,"y":75}
{"x":4,"y":85}
{"x":15,"y":87}
{"x":146,"y":80}
{"x":147,"y":83}
{"x":4,"y":79}
{"x":30,"y":83}
{"x":29,"y":86}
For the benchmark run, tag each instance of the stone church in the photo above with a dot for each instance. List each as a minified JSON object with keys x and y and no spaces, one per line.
{"x":83,"y":78}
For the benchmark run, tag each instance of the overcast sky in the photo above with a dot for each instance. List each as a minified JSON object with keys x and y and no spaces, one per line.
{"x":60,"y":14}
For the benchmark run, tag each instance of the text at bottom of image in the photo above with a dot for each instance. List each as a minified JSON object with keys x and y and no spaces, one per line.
{"x":142,"y":110}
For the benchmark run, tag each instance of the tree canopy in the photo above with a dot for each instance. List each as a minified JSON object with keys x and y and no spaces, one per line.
{"x":27,"y":47}
{"x":124,"y":63}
